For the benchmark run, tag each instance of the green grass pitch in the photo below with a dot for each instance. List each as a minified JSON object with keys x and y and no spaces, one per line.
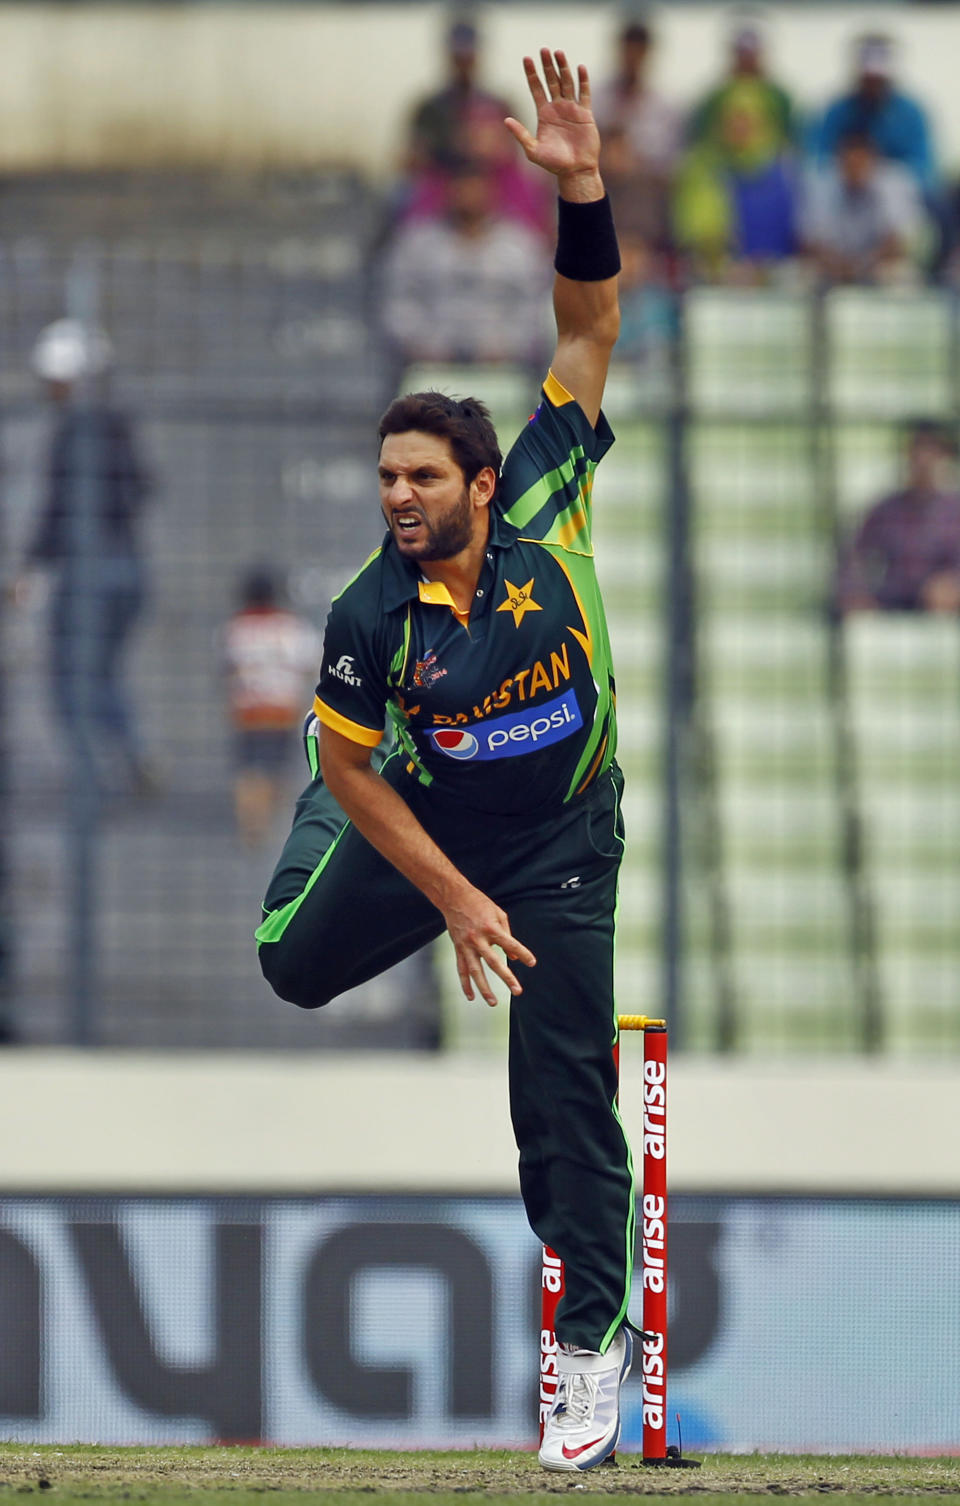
{"x":68,"y":1474}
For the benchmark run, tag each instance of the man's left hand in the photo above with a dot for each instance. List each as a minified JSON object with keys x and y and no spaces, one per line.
{"x":567,"y":142}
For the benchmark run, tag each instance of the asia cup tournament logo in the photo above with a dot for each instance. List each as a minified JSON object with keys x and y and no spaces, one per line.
{"x":511,"y":736}
{"x":427,"y":671}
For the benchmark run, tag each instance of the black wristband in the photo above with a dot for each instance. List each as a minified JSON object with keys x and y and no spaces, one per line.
{"x":587,"y":249}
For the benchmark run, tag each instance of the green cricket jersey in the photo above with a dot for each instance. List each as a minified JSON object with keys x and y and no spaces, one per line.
{"x":514,"y":709}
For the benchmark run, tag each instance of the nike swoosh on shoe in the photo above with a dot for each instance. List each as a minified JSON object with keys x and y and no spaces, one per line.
{"x":574,"y":1453}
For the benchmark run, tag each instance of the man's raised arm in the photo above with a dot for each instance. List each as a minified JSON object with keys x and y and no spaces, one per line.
{"x":587,"y":262}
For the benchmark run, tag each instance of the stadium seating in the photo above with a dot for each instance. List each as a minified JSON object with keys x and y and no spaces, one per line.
{"x":763,"y":550}
{"x":748,"y":353}
{"x":904,"y":674}
{"x":769,"y":901}
{"x":890,"y":353}
{"x":761,"y":565}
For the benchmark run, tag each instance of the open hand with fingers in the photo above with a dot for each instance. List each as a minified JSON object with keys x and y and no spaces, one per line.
{"x":477,"y":928}
{"x":567,"y":142}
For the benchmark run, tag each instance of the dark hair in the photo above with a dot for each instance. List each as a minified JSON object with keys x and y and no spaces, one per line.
{"x":637,"y":31}
{"x":929,"y":431}
{"x":465,"y":422}
{"x":460,"y":165}
{"x":258,"y":587}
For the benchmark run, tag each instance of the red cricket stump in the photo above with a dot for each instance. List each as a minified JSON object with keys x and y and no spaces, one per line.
{"x":654,"y":1245}
{"x":551,"y":1290}
{"x":654,"y":1237}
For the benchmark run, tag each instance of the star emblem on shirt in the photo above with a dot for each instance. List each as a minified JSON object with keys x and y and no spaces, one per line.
{"x":519,"y":601}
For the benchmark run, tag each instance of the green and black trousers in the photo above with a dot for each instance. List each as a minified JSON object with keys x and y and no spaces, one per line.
{"x":337,"y":914}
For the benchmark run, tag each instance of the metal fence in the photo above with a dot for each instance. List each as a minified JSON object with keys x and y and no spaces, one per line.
{"x":822,"y":751}
{"x":793,"y":812}
{"x":246,"y":369}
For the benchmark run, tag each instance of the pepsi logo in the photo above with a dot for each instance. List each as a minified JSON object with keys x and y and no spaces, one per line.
{"x":454,"y":743}
{"x":510,"y":736}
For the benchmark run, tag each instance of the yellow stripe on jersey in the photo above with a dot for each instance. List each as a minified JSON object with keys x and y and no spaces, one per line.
{"x":579,"y":517}
{"x":585,"y":638}
{"x":556,"y":391}
{"x":342,"y":724}
{"x":591,"y":772}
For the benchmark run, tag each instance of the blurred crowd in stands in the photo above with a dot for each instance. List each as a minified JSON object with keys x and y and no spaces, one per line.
{"x":741,"y":190}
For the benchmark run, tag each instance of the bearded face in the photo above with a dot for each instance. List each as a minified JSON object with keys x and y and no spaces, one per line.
{"x":426,"y":505}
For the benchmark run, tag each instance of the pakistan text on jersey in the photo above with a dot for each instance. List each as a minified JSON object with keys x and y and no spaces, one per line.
{"x":525,"y":684}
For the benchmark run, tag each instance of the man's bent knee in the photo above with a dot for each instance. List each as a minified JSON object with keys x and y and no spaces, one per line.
{"x":290,"y":981}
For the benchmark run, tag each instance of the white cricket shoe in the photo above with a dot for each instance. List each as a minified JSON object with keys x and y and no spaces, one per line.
{"x":583,"y":1427}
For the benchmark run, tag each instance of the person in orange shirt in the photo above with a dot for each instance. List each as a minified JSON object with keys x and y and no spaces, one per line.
{"x":269,"y":655}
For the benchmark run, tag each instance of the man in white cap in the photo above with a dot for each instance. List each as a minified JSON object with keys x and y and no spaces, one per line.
{"x":896,"y":124}
{"x":87,"y":534}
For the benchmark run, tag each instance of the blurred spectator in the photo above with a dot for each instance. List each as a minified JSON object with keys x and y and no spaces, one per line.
{"x":647,"y":307}
{"x":442,"y":124}
{"x":88,"y":535}
{"x":863,"y":219}
{"x":735,"y":221}
{"x":735,"y":201}
{"x":469,"y":285}
{"x":641,"y":136}
{"x":947,"y":266}
{"x":763,"y":124}
{"x":896,"y":124}
{"x":463,"y":120}
{"x":270,"y":656}
{"x":640,"y":201}
{"x":905,"y":555}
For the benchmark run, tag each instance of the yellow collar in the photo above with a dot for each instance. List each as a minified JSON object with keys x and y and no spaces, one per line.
{"x":436,"y":594}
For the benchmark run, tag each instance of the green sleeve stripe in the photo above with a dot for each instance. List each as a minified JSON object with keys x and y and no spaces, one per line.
{"x":407,"y":743}
{"x":368,"y":561}
{"x":398,"y":664}
{"x":535,"y":498}
{"x":601,"y":747}
{"x":313,"y":758}
{"x":274,"y":924}
{"x":564,"y":521}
